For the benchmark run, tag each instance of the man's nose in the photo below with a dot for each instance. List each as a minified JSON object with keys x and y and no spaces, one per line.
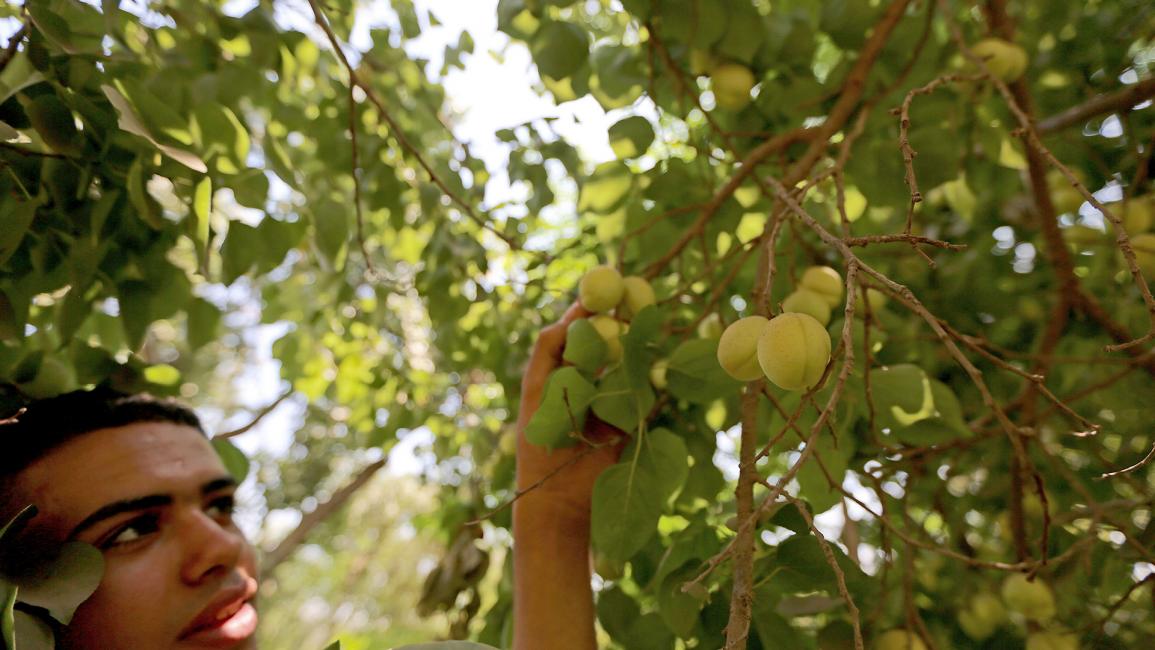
{"x":209,"y":547}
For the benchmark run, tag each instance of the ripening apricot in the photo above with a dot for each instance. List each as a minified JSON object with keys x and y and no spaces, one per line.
{"x":1005,"y":60}
{"x":601,"y":289}
{"x":1031,"y":598}
{"x":898,"y":639}
{"x":876,"y":298}
{"x":1144,"y":246}
{"x":738,"y":348}
{"x":732,"y":83}
{"x":611,"y":331}
{"x":1052,"y":640}
{"x":825,"y":282}
{"x":637,"y":295}
{"x":805,"y":301}
{"x":1137,"y":215}
{"x":793,"y":351}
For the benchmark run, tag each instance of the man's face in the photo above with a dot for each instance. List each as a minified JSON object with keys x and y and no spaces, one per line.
{"x":155,"y":499}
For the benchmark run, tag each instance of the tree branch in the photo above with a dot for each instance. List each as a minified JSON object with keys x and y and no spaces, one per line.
{"x":258,"y":417}
{"x":10,"y":49}
{"x":1120,"y":100}
{"x":311,"y":520}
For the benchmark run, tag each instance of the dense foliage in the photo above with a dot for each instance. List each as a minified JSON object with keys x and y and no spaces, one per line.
{"x":164,"y":176}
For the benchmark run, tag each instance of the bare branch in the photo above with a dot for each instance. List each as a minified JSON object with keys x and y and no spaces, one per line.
{"x":311,"y":520}
{"x":258,"y":417}
{"x":1119,"y":100}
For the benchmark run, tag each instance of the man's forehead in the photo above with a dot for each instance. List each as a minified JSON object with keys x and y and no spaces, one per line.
{"x":131,"y":461}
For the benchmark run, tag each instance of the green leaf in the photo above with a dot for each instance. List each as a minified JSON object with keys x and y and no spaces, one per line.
{"x":162,"y":374}
{"x":130,"y":121}
{"x":695,"y":375}
{"x":605,"y":189}
{"x":902,"y":395}
{"x":917,"y":410}
{"x":63,"y":582}
{"x":56,"y":124}
{"x":16,"y":221}
{"x":621,"y":404}
{"x":7,"y":619}
{"x":627,"y":502}
{"x":565,"y":401}
{"x":240,"y":251}
{"x":32,"y":632}
{"x":665,"y":454}
{"x":234,"y":459}
{"x":559,"y":48}
{"x":18,"y":75}
{"x":584,"y":347}
{"x":331,"y":232}
{"x":203,"y":323}
{"x":202,"y":207}
{"x":136,"y":311}
{"x":74,"y":310}
{"x":144,"y":205}
{"x":679,"y":609}
{"x":631,"y":137}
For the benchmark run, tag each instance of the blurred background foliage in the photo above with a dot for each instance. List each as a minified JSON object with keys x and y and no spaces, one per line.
{"x":179,"y":199}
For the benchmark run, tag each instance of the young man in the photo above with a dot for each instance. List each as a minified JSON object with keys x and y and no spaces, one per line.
{"x":137,"y":478}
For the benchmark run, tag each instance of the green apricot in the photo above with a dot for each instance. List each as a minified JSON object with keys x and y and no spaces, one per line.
{"x":1032,"y":599}
{"x":732,"y":83}
{"x":738,"y":348}
{"x":805,"y":301}
{"x":601,"y":289}
{"x":793,"y":351}
{"x":825,"y":282}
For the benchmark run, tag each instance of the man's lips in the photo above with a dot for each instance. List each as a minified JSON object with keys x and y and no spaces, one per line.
{"x":228,"y":619}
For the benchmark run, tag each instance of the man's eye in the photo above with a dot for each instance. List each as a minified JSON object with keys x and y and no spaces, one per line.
{"x":133,"y":531}
{"x":222,"y":506}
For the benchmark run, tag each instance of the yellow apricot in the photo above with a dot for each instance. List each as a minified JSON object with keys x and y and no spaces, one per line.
{"x":1006,"y":61}
{"x":825,"y":282}
{"x":1137,"y":215}
{"x":637,"y":295}
{"x":793,"y":351}
{"x":1031,"y":598}
{"x":876,"y":298}
{"x":738,"y":348}
{"x":1144,"y":247}
{"x":659,"y":373}
{"x":732,"y":83}
{"x":601,"y":289}
{"x":611,"y":331}
{"x":710,"y":327}
{"x":1052,"y":640}
{"x":805,"y":301}
{"x":898,"y":639}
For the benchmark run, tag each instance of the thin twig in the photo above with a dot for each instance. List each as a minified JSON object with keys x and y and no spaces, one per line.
{"x":258,"y":417}
{"x":1146,"y":459}
{"x":13,"y":44}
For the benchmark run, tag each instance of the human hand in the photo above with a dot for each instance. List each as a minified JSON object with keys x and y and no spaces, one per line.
{"x":562,"y":477}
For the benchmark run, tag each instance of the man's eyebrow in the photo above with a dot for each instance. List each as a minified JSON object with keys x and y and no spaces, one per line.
{"x":218,"y":484}
{"x":120,"y":507}
{"x":144,"y":503}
